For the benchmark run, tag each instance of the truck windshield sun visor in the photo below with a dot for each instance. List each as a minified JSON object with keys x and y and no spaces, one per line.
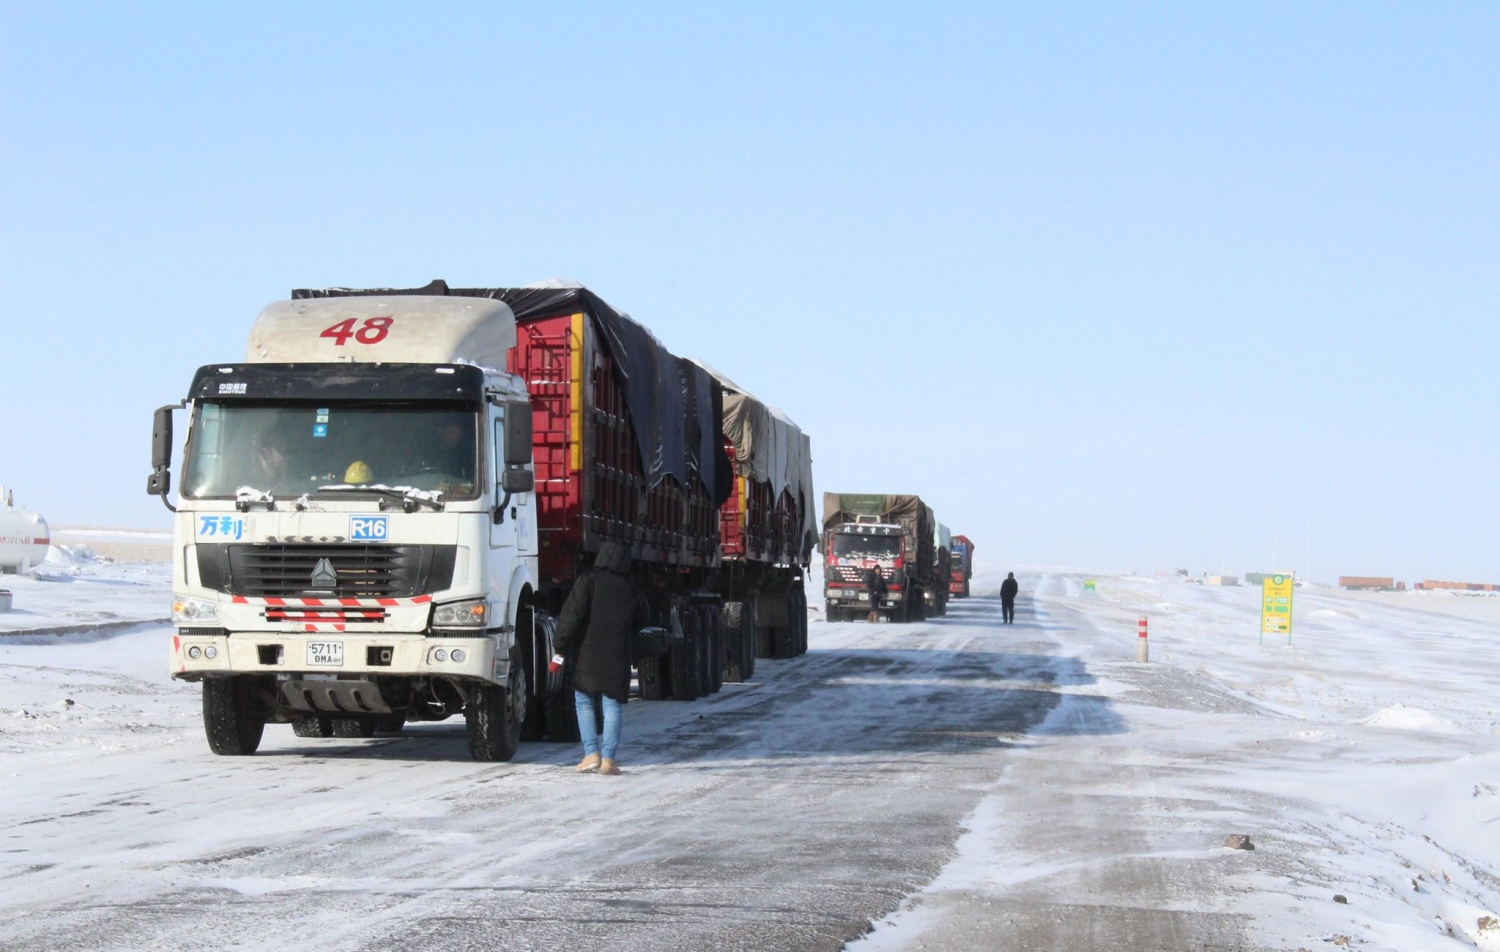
{"x":414,"y":452}
{"x":352,"y":381}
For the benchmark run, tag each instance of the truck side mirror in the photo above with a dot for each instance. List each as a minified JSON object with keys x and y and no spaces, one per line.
{"x":159,"y":483}
{"x":161,"y":439}
{"x":517,"y":481}
{"x":517,"y":437}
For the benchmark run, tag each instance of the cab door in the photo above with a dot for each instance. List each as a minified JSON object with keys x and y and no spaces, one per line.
{"x":513,"y":516}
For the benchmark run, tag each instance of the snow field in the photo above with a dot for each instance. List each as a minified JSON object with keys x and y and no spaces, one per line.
{"x":1361,"y":760}
{"x":957,"y":783}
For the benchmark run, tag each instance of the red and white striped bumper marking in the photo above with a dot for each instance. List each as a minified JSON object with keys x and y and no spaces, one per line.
{"x":328,"y":614}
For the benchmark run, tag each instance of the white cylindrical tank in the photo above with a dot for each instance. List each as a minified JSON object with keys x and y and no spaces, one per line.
{"x":23,"y":538}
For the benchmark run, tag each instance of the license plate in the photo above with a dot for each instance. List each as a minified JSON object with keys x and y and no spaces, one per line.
{"x":325,"y":654}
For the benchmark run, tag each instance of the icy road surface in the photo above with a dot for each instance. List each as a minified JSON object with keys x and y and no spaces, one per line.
{"x":956,"y":784}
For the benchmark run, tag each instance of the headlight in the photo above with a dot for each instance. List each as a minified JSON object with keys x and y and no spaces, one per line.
{"x":458,"y":655}
{"x":460,"y":615}
{"x":191,"y":611}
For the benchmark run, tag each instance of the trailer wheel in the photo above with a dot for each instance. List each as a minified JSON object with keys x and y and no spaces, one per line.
{"x":784,"y":637}
{"x":733,"y":620}
{"x":651,"y":676}
{"x":492,"y":718}
{"x":534,"y":728}
{"x":783,"y":640}
{"x":232,"y":719}
{"x":684,"y":660}
{"x":715,"y":625}
{"x":799,"y":620}
{"x":705,"y":652}
{"x":353,"y":727}
{"x":312,"y":727}
{"x":765,"y":641}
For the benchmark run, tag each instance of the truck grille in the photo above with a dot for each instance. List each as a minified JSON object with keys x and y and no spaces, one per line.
{"x":363,"y":571}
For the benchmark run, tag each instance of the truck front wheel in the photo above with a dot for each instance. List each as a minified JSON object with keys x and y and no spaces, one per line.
{"x":492,"y":719}
{"x":232,"y":718}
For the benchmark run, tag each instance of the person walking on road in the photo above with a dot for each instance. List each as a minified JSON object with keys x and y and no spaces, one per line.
{"x":875,"y":585}
{"x":1008,"y":589}
{"x":593,"y":635}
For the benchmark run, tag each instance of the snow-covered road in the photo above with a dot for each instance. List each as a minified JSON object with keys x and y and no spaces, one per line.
{"x":960,"y":784}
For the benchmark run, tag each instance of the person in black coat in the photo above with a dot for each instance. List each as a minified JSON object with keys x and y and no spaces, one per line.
{"x":1008,"y":590}
{"x":875,"y":585}
{"x":593,"y":635}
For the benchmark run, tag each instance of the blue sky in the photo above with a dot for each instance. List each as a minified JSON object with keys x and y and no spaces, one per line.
{"x":1119,"y":286}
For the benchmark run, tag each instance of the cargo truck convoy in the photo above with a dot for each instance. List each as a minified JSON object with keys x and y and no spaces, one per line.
{"x":385,"y":505}
{"x":896,"y":536}
{"x":962,"y":567}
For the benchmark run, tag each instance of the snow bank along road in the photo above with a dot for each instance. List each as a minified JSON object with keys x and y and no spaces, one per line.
{"x":959,"y":783}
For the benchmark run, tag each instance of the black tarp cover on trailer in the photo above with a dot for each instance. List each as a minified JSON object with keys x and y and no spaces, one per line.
{"x":675,"y":407}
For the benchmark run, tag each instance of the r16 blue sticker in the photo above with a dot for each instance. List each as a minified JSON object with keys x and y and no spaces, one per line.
{"x":368,"y":528}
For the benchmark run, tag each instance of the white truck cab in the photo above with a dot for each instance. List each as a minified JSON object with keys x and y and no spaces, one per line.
{"x":355,"y":541}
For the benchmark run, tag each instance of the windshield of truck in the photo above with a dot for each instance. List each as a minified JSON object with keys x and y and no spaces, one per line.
{"x":866,"y":548}
{"x":288,"y":449}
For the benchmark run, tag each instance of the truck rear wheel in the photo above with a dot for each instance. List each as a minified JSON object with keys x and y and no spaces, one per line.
{"x":312,"y":727}
{"x":562,"y":713}
{"x":492,"y":718}
{"x":232,"y":718}
{"x":736,"y":668}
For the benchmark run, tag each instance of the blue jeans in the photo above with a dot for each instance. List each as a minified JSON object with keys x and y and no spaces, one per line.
{"x":584,"y":704}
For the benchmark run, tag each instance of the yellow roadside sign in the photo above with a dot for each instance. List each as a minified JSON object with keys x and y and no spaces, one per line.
{"x":1276,"y":607}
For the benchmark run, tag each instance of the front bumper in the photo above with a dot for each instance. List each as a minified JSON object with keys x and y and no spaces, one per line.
{"x":485,"y":657}
{"x":856,"y":595}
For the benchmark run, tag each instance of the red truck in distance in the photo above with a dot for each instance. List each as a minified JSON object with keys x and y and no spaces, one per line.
{"x":962,"y":560}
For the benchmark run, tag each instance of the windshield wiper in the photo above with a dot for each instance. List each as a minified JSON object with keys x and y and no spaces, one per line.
{"x":411,"y":499}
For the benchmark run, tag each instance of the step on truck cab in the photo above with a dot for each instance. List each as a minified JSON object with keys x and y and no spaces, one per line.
{"x":891,"y":533}
{"x":383,"y":507}
{"x":767,"y":532}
